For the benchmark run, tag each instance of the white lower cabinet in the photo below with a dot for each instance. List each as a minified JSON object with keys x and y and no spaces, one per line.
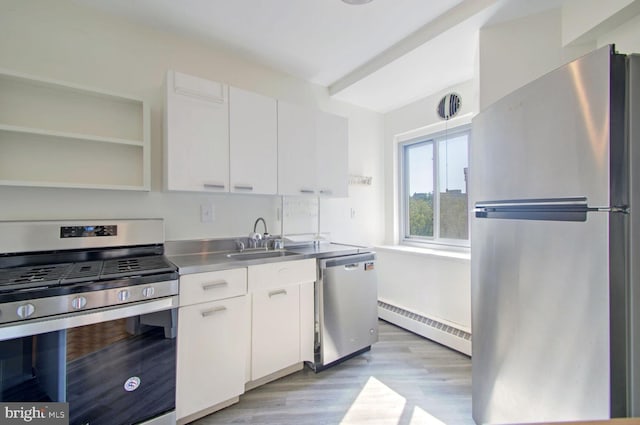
{"x":212,"y":337}
{"x":237,"y":326}
{"x":275,"y":330}
{"x":281,"y":334}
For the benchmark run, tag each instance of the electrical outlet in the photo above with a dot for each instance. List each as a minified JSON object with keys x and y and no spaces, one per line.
{"x":206,"y":213}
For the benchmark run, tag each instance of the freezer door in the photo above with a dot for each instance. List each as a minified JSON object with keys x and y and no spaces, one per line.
{"x":540,"y":314}
{"x":551,"y":138}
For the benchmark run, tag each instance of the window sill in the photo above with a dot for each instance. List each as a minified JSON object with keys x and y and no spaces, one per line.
{"x":459,"y":253}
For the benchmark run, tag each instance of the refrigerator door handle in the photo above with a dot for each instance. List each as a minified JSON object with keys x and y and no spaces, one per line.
{"x":556,"y":209}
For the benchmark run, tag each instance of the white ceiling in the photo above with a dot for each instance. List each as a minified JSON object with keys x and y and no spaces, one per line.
{"x":381,"y":55}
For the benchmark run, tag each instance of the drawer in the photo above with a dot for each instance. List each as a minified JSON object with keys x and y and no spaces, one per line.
{"x":202,"y":287}
{"x":272,"y":275}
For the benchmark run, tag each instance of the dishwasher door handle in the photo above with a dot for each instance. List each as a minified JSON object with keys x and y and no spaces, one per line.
{"x":353,"y":266}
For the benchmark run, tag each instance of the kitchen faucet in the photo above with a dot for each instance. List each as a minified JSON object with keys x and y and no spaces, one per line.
{"x":254,"y":237}
{"x":264,"y":223}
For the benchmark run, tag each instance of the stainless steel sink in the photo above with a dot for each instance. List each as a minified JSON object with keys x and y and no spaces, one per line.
{"x":258,"y":255}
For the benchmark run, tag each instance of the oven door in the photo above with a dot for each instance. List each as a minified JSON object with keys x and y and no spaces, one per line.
{"x":113,"y":366}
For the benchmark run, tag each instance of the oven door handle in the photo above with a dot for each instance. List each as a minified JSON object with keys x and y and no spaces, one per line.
{"x":81,"y":318}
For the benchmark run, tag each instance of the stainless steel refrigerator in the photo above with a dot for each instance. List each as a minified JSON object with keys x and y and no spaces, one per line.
{"x":555,"y":247}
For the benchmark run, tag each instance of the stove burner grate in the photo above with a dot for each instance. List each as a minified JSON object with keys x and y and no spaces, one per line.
{"x":82,"y":272}
{"x":135,"y":266}
{"x":32,"y":276}
{"x":18,"y":278}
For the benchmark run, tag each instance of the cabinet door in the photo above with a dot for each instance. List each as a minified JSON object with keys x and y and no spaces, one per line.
{"x":211,"y":367}
{"x":196,"y":134}
{"x":332,"y":155}
{"x":253,"y":135}
{"x":275,"y":330}
{"x":296,"y":150}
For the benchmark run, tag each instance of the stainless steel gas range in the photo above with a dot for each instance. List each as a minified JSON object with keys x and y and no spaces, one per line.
{"x":88,"y":315}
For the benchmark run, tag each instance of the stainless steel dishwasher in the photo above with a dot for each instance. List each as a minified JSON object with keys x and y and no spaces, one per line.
{"x":346,"y":308}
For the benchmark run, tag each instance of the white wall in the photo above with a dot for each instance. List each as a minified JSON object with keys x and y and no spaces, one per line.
{"x":435,"y":286}
{"x":65,"y":41}
{"x":517,"y":52}
{"x":586,"y":20}
{"x":427,"y":282}
{"x":626,"y":37}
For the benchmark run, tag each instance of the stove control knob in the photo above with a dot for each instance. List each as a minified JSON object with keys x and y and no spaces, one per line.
{"x":148,"y":292}
{"x":26,"y":310}
{"x":123,"y":295}
{"x":78,"y":302}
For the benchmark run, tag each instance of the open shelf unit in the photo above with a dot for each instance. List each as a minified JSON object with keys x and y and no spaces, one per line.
{"x":56,"y":134}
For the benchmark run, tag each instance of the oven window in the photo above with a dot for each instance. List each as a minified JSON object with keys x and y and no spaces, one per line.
{"x":114,"y":372}
{"x":31,"y":367}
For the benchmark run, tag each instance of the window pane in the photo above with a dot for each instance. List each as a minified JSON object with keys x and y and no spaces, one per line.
{"x":419,"y":188}
{"x":452,"y":175}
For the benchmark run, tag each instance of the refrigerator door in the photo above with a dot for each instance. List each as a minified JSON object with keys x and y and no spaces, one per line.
{"x":540,"y":320}
{"x":549,"y":139}
{"x":548,"y":264}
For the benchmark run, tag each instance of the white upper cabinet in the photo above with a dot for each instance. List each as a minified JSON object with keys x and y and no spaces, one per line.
{"x":253,"y":135}
{"x":224,"y":139}
{"x":296,"y":150}
{"x":196,"y":134}
{"x":332,"y":140}
{"x":312,"y":152}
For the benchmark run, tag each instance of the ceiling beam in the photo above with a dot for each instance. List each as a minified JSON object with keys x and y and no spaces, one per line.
{"x":431,"y":30}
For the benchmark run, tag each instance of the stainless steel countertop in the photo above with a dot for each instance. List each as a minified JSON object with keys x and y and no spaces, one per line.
{"x":189,"y":263}
{"x":328,"y":249}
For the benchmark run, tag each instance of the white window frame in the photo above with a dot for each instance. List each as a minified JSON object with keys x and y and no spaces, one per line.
{"x":403,"y":217}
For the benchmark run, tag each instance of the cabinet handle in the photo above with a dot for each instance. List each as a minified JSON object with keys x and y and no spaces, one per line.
{"x":278,"y":292}
{"x":213,"y":285}
{"x":214,"y":185}
{"x":307,"y":191}
{"x":326,"y":192}
{"x":243,"y":187}
{"x":213,"y":311}
{"x":192,"y":93}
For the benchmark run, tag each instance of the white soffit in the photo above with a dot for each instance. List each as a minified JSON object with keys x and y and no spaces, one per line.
{"x":445,"y":61}
{"x":381,"y":55}
{"x":315,"y":40}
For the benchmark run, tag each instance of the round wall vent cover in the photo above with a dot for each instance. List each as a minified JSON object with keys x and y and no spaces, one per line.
{"x":449,"y":106}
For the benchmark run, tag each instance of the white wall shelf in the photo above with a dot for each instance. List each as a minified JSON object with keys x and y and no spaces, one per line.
{"x":56,"y":134}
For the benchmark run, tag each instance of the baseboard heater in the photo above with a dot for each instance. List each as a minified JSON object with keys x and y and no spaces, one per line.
{"x":450,"y":336}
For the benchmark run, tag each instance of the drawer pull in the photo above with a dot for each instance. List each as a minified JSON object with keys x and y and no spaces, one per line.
{"x":213,"y":285}
{"x":213,"y":185}
{"x":243,"y":187}
{"x":278,"y":292}
{"x":213,"y":311}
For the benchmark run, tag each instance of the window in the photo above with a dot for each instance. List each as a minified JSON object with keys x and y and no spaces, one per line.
{"x":434,"y":195}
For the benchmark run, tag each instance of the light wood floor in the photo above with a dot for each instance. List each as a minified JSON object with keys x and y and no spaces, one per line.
{"x":404,"y":380}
